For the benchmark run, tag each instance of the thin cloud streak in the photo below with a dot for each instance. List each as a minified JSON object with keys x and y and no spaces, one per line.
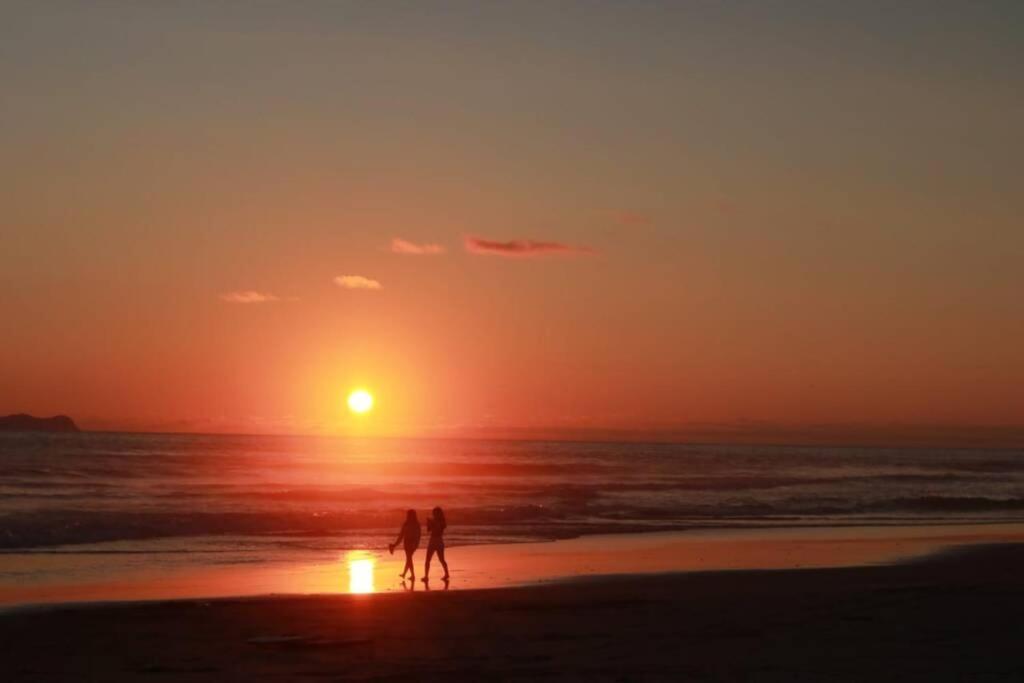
{"x":400,"y":246}
{"x":523,"y":248}
{"x":248,"y":296}
{"x":356,"y":282}
{"x":634,"y":219}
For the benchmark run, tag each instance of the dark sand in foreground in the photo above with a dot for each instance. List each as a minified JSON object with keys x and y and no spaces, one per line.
{"x":957,"y":616}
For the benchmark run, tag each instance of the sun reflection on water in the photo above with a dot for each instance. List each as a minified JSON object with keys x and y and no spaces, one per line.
{"x":360,"y":571}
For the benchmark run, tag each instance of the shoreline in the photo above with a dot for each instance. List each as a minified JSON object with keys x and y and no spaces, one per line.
{"x":941,"y":555}
{"x":107,"y":579}
{"x":947,"y":616}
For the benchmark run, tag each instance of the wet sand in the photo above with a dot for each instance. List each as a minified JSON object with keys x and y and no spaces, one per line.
{"x":951,"y":616}
{"x":74,"y":576}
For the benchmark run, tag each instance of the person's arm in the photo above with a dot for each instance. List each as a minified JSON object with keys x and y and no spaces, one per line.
{"x":401,"y":535}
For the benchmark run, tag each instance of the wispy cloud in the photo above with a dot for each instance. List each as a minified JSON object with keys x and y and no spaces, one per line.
{"x":356,"y":282}
{"x":634,"y":219}
{"x":400,"y":246}
{"x":248,"y":296}
{"x":523,"y":248}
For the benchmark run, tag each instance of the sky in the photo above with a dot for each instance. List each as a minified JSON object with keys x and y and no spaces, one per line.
{"x":550,"y":217}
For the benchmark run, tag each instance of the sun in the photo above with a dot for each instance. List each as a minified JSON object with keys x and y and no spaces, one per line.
{"x":360,"y":401}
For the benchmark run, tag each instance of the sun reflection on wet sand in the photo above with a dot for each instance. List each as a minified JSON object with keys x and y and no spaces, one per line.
{"x":490,"y":566}
{"x":360,"y":571}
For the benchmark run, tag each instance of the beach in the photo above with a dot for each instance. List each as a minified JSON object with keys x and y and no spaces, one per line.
{"x":125,"y":557}
{"x":950,"y":616}
{"x":72,"y":574}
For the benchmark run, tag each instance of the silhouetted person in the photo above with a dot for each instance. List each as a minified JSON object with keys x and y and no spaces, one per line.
{"x":436,"y":526}
{"x":409,"y":537}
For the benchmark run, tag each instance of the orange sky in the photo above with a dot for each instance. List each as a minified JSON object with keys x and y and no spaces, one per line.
{"x":644,"y":218}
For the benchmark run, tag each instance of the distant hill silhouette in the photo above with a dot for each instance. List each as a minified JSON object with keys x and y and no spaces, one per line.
{"x":28,"y":423}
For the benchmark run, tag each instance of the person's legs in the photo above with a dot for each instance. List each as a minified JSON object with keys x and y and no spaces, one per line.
{"x":426,"y":567}
{"x":408,"y":565}
{"x":440,"y":556}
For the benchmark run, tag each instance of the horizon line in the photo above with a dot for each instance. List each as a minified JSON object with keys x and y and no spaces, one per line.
{"x":833,"y":435}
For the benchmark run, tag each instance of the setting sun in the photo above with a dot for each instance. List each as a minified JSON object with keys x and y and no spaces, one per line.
{"x":360,"y":401}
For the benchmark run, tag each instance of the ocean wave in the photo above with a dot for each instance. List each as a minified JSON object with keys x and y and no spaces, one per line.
{"x":952,"y":504}
{"x":50,"y":528}
{"x":96,"y":488}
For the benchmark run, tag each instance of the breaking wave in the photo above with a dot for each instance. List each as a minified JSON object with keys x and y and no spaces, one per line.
{"x":100,"y":488}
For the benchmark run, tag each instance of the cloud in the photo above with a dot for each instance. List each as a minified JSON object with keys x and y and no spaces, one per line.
{"x":523,"y":248}
{"x":400,"y":246}
{"x":634,"y":219}
{"x":248,"y":296}
{"x":356,"y":282}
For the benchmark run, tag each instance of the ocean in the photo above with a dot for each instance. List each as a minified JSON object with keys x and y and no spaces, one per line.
{"x":251,"y":494}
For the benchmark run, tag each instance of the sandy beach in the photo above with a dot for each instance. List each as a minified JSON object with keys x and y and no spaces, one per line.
{"x":950,"y":616}
{"x":105,"y":573}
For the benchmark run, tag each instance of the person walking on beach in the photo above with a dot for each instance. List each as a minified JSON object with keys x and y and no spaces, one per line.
{"x":409,"y":537}
{"x":436,"y":525}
